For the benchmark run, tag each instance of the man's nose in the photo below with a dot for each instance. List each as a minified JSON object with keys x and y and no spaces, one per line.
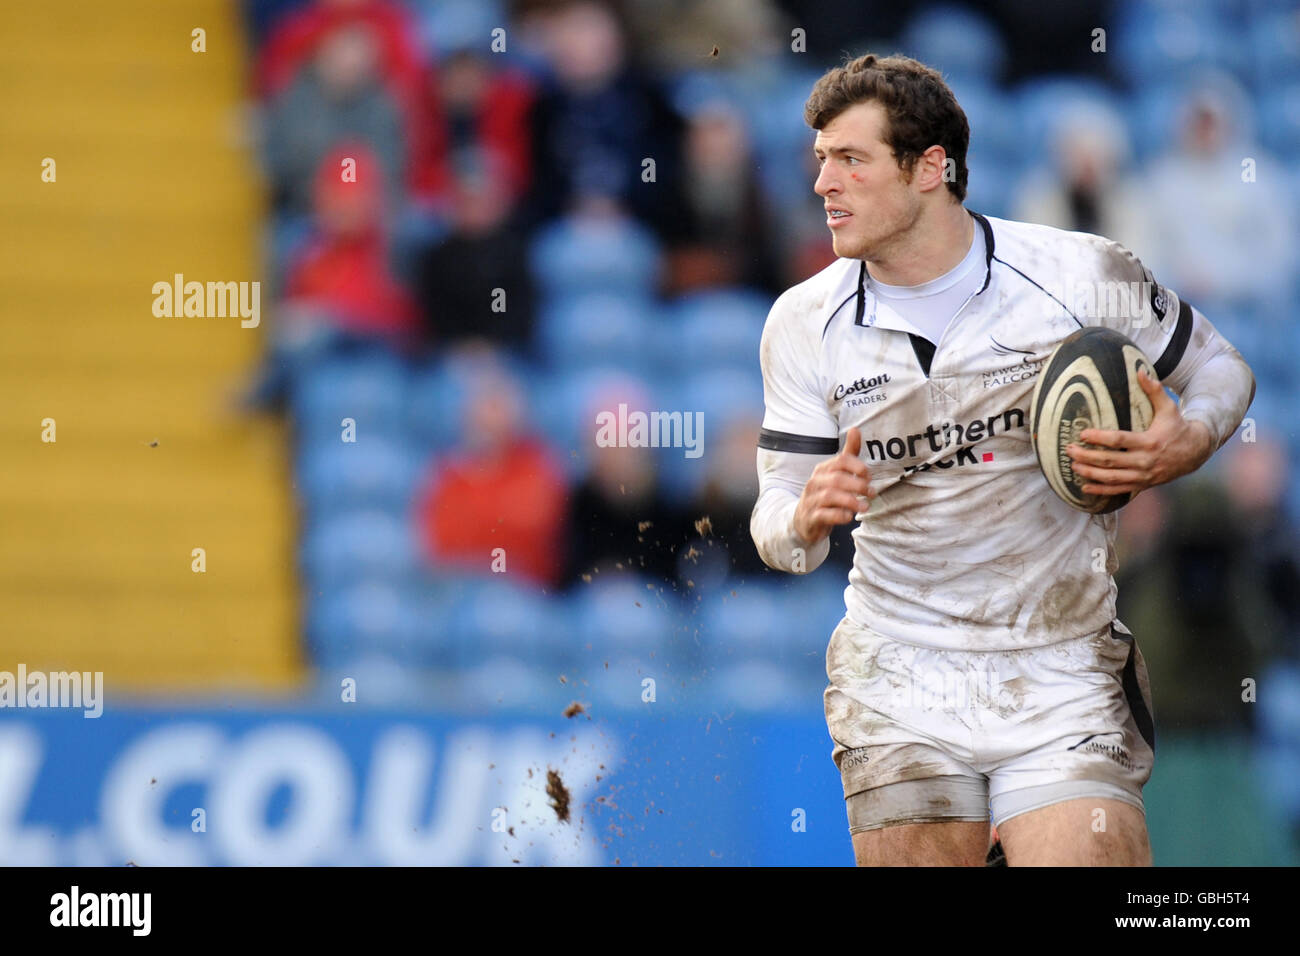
{"x":827,"y":182}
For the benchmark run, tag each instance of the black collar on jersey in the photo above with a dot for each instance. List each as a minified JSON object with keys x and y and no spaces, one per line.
{"x":988,"y":270}
{"x":988,"y":249}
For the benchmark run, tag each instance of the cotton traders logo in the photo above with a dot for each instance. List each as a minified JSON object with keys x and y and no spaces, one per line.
{"x":865,"y":391}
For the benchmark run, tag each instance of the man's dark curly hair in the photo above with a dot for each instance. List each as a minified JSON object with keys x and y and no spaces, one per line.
{"x":922,"y":111}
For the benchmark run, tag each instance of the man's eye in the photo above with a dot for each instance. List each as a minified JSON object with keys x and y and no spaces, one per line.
{"x":851,"y":160}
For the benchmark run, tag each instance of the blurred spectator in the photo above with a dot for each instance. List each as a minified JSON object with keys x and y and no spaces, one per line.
{"x":343,"y":273}
{"x":1218,"y":238}
{"x":487,"y":112}
{"x":1209,"y":587}
{"x":501,"y":489}
{"x":599,"y":119}
{"x":809,"y":247}
{"x":721,"y":545}
{"x":296,"y":40}
{"x":1086,"y":189}
{"x":475,"y":283}
{"x":619,"y":519}
{"x":718,"y":232}
{"x":337,"y":98}
{"x":1256,"y":475}
{"x":339,"y":290}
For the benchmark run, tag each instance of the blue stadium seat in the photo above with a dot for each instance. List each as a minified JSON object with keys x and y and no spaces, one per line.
{"x":1155,"y":43}
{"x":713,"y":330}
{"x":370,"y":388}
{"x":1038,"y":102}
{"x":994,"y":129}
{"x":1274,"y":48}
{"x":572,"y":256}
{"x":563,"y":409}
{"x":495,"y":616}
{"x":376,"y":472}
{"x":724,"y":396}
{"x":366,"y":619}
{"x":758,"y":686}
{"x":957,"y":41}
{"x":1279,"y":110}
{"x":436,"y":408}
{"x":1279,"y":731}
{"x":448,"y":25}
{"x":692,"y":90}
{"x":623,"y":617}
{"x":621,"y":685}
{"x":787,"y":618}
{"x":347,"y":548}
{"x":580,"y":331}
{"x":439,"y":390}
{"x":1153,"y":115}
{"x":749,"y":625}
{"x":504,"y":681}
{"x":990,"y":185}
{"x":770,"y":630}
{"x":819,"y":598}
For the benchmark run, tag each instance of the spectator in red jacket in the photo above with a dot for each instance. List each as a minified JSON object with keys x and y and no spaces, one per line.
{"x":343,"y":274}
{"x":501,"y":489}
{"x":340,"y":293}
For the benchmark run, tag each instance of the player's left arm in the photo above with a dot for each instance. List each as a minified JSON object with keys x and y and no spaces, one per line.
{"x":1211,"y":378}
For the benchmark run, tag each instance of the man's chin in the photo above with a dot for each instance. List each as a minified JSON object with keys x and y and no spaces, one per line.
{"x":846,"y":248}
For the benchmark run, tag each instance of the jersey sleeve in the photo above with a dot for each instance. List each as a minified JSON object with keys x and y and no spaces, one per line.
{"x":1188,"y":354}
{"x":795,"y":416}
{"x":1127,"y":298}
{"x":798,"y":432}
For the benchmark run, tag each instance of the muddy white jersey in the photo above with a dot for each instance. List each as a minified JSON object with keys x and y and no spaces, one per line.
{"x":966,"y":547}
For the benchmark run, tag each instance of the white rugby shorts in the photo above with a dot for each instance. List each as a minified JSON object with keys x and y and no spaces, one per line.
{"x":927,"y":735}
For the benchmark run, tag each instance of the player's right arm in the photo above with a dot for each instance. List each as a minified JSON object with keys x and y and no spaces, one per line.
{"x":807,"y":485}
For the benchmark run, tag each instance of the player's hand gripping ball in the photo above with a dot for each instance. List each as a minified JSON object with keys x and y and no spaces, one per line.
{"x":1090,"y":381}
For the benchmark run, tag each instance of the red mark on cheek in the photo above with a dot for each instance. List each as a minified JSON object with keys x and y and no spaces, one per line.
{"x":855,"y":177}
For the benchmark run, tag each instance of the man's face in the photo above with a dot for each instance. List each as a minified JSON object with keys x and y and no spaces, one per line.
{"x":860,"y":177}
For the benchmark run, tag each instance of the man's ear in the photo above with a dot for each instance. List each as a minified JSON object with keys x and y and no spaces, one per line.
{"x":930,"y":167}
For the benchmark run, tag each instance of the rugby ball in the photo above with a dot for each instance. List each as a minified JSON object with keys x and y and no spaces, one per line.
{"x":1090,"y":381}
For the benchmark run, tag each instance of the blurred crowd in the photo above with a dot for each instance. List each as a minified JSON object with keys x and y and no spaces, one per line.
{"x":490,"y":221}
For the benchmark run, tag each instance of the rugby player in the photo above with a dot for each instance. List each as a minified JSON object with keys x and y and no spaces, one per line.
{"x":979,"y":671}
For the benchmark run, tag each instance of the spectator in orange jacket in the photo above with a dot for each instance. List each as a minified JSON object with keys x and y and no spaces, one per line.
{"x":501,"y":489}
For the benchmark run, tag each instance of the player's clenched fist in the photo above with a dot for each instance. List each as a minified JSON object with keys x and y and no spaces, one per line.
{"x":833,"y":492}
